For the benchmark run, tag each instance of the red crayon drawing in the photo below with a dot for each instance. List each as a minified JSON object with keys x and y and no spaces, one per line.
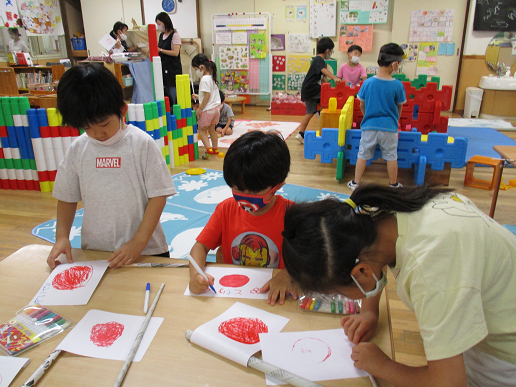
{"x":234,"y":280}
{"x":104,"y":335}
{"x":312,"y":349}
{"x":245,"y":330}
{"x":72,"y":278}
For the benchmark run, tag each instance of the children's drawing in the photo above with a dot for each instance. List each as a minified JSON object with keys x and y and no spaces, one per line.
{"x":298,"y":63}
{"x":42,"y":17}
{"x":234,"y":57}
{"x":258,"y":45}
{"x":298,"y":43}
{"x":8,"y":14}
{"x":244,"y":126}
{"x":314,"y":355}
{"x":279,"y":82}
{"x":234,"y":81}
{"x":243,"y":329}
{"x":236,"y":282}
{"x":72,"y":278}
{"x":277,"y":42}
{"x":235,"y":333}
{"x":106,"y":335}
{"x":278,"y":63}
{"x":295,"y":81}
{"x":9,"y":368}
{"x":71,"y":283}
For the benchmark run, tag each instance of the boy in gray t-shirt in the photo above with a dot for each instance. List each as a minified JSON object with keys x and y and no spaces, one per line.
{"x":116,"y":170}
{"x":225,"y":125}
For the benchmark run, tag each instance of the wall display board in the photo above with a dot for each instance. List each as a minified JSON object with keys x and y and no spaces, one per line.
{"x":323,"y":18}
{"x":363,"y":11}
{"x":431,"y":26}
{"x":498,"y":15}
{"x":356,"y":34}
{"x":427,"y":59}
{"x":250,"y":50}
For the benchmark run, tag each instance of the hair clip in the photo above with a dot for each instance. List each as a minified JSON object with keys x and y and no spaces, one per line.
{"x":351,"y":203}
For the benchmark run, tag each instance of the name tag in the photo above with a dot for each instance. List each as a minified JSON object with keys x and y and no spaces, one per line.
{"x":109,"y":162}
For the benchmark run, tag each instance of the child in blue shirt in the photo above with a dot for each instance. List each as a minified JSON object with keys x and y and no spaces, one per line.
{"x":381,"y":100}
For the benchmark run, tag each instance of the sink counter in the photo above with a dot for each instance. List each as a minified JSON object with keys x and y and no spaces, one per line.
{"x":497,"y":83}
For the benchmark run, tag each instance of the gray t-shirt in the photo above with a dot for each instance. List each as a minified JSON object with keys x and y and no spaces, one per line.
{"x":114,"y":183}
{"x":226,"y":114}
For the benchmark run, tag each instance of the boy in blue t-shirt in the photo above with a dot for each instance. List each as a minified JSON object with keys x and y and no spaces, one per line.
{"x":381,"y":100}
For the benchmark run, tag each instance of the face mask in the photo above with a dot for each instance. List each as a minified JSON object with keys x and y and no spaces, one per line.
{"x":329,"y":55}
{"x":355,"y":59}
{"x":161,"y":28}
{"x":111,"y":140}
{"x":123,"y":36}
{"x":395,"y":71}
{"x":380,"y":284}
{"x":251,"y":203}
{"x":199,"y":73}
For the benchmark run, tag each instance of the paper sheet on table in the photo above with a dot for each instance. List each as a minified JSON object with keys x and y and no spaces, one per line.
{"x":71,"y":283}
{"x":9,"y":368}
{"x":314,"y":355}
{"x":234,"y":334}
{"x":106,"y":335}
{"x":236,"y":282}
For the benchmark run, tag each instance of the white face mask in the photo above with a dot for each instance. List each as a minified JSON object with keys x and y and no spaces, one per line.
{"x":329,"y":55}
{"x":199,"y":73}
{"x":112,"y":140}
{"x":123,"y":36}
{"x":380,"y":284}
{"x":395,"y":71}
{"x":161,"y":28}
{"x":355,"y":59}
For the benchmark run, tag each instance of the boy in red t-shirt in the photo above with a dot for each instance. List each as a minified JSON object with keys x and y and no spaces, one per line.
{"x":248,"y":226}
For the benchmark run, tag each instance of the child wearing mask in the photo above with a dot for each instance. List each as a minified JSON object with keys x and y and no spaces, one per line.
{"x":353,"y":72}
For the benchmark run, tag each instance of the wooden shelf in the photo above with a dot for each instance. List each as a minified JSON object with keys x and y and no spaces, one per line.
{"x":80,"y":53}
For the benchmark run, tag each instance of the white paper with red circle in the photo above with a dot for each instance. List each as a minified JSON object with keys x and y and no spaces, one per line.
{"x":106,"y":335}
{"x":71,"y":283}
{"x":236,"y":282}
{"x":235,"y":333}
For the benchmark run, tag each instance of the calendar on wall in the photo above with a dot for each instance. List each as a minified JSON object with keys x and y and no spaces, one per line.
{"x":323,"y":18}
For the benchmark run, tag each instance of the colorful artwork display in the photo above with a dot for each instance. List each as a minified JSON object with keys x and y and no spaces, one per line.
{"x":42,"y":17}
{"x":363,"y":11}
{"x":361,"y":35}
{"x":234,"y":81}
{"x":258,"y":45}
{"x":410,"y":51}
{"x":279,"y":82}
{"x":234,"y":57}
{"x":431,"y":26}
{"x":427,"y":58}
{"x":295,"y":81}
{"x":298,"y":63}
{"x":278,"y":42}
{"x":279,"y":63}
{"x":299,"y":42}
{"x":9,"y":13}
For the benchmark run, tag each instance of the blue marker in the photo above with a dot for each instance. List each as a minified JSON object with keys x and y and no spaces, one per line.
{"x":199,"y":270}
{"x":146,"y":302}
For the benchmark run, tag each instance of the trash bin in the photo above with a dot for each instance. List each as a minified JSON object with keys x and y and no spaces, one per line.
{"x":473,"y":102}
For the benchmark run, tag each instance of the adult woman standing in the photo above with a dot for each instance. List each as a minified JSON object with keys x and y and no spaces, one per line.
{"x":169,"y":46}
{"x":17,"y":43}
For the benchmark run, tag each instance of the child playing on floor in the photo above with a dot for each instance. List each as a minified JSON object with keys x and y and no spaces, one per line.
{"x":381,"y":100}
{"x":311,"y":88}
{"x":352,"y":72}
{"x":248,"y":226}
{"x":225,"y":125}
{"x":116,"y":170}
{"x":208,"y":112}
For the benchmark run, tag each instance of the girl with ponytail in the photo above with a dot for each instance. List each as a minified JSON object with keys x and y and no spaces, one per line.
{"x":455,"y":267}
{"x":208,"y":112}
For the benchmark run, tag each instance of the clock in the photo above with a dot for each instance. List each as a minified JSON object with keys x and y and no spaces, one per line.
{"x":169,"y":6}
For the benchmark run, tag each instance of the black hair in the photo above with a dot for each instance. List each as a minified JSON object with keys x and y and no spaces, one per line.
{"x":119,"y":26}
{"x":324,"y":44}
{"x":165,"y":19}
{"x":14,"y":30}
{"x":88,"y":94}
{"x":355,"y":47}
{"x":322,"y":240}
{"x":257,"y":160}
{"x":202,"y":60}
{"x":222,"y":96}
{"x":390,"y":49}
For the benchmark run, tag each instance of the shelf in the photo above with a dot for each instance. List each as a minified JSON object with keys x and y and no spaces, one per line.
{"x":80,"y":53}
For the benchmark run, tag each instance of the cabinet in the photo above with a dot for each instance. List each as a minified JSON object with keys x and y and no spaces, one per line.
{"x":118,"y":70}
{"x":27,"y":76}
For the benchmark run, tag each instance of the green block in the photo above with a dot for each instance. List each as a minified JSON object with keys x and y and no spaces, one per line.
{"x":154,"y":106}
{"x":194,"y":118}
{"x":147,"y":109}
{"x":332,"y":63}
{"x":6,"y":109}
{"x":163,"y":131}
{"x":2,"y":164}
{"x":33,"y":165}
{"x":81,"y":130}
{"x":177,"y":111}
{"x":180,"y":133}
{"x":17,"y":164}
{"x":196,"y":151}
{"x":25,"y":164}
{"x":167,"y":159}
{"x":174,"y":134}
{"x":189,"y":121}
{"x":9,"y":164}
{"x":341,"y":165}
{"x":24,"y":105}
{"x":436,"y":80}
{"x":15,"y":106}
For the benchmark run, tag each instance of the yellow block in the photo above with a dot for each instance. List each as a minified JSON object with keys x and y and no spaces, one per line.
{"x":180,"y":91}
{"x":188,"y":96}
{"x":44,"y":186}
{"x":51,"y":185}
{"x":332,"y":104}
{"x":342,"y":130}
{"x":189,"y":130}
{"x":53,"y":120}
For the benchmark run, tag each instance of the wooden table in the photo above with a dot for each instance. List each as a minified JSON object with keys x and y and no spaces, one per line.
{"x":508,"y":152}
{"x":170,"y":360}
{"x":230,"y":100}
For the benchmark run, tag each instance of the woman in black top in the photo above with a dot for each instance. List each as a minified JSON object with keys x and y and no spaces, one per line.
{"x":169,"y":45}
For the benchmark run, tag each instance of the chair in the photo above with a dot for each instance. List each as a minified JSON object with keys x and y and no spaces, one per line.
{"x":496,"y":164}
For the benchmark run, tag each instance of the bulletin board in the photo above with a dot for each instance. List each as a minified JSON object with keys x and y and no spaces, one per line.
{"x":323,"y":18}
{"x":242,"y":50}
{"x":363,"y":11}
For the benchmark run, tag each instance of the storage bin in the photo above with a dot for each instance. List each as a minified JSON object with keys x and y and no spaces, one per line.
{"x":78,"y":44}
{"x":128,"y":81}
{"x":473,"y":102}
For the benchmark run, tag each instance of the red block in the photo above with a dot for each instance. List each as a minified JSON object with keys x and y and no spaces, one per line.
{"x":3,"y":131}
{"x":22,"y":185}
{"x":167,"y":104}
{"x":2,"y":153}
{"x":43,"y":176}
{"x":153,"y":40}
{"x":191,"y":152}
{"x":31,"y":185}
{"x":13,"y":184}
{"x":52,"y":175}
{"x":44,"y":131}
{"x":180,"y":151}
{"x":54,"y":131}
{"x":5,"y":184}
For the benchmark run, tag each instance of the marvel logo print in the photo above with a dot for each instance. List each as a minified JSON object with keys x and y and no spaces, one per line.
{"x":108,"y":162}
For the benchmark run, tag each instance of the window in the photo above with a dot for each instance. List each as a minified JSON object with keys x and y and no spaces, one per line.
{"x":41,"y":46}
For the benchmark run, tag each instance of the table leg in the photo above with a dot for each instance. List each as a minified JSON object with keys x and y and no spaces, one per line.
{"x":243,"y":107}
{"x":498,"y":178}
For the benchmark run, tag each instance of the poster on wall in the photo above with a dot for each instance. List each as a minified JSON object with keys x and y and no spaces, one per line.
{"x":363,"y":11}
{"x":295,"y":81}
{"x":239,"y":38}
{"x":301,"y":13}
{"x":234,"y":81}
{"x":431,"y":26}
{"x":323,"y":14}
{"x":278,"y":42}
{"x":410,"y":51}
{"x":298,"y":63}
{"x":290,"y":13}
{"x":427,"y":59}
{"x":9,"y":13}
{"x":234,"y":57}
{"x":223,"y":38}
{"x":356,"y":34}
{"x":258,"y":45}
{"x":41,"y":17}
{"x":279,"y":82}
{"x":278,"y":63}
{"x":299,"y":43}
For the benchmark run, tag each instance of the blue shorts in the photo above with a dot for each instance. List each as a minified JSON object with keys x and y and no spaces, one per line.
{"x":388,"y":142}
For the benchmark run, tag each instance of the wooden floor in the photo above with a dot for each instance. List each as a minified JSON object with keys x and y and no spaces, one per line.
{"x":21,"y":211}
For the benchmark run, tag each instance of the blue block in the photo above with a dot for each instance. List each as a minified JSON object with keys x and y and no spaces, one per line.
{"x":22,"y":143}
{"x":190,"y":139}
{"x":187,"y":112}
{"x":171,"y":122}
{"x":438,"y":151}
{"x":42,"y":117}
{"x":195,"y":128}
{"x":141,"y":125}
{"x":26,"y":132}
{"x":11,"y":133}
{"x":327,"y":145}
{"x":5,"y":142}
{"x":32,"y":115}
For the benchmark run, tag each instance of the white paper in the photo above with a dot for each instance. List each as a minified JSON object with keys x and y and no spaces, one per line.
{"x":223,"y":37}
{"x":107,"y":41}
{"x":236,"y":282}
{"x":241,"y":322}
{"x":9,"y":368}
{"x":298,"y":42}
{"x":106,"y":335}
{"x":71,"y":283}
{"x":314,"y":355}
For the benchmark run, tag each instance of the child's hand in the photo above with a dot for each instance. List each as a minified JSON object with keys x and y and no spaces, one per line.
{"x":220,"y":131}
{"x":195,"y":96}
{"x":360,"y":327}
{"x":279,"y":286}
{"x":198,"y":284}
{"x":370,"y":358}
{"x":126,"y":254}
{"x":337,"y":81}
{"x":198,"y":114}
{"x":62,"y":246}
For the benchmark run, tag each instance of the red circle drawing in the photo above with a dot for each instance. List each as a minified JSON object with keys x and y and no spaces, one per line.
{"x":72,"y":278}
{"x":245,"y":330}
{"x":234,"y":280}
{"x":104,"y":335}
{"x":312,"y":348}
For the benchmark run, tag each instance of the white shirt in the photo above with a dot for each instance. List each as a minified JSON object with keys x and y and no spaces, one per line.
{"x":207,"y":85}
{"x":20,"y":46}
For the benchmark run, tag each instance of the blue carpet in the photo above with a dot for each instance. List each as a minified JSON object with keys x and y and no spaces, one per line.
{"x":187,"y":212}
{"x":510,"y":228}
{"x":481,"y":140}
